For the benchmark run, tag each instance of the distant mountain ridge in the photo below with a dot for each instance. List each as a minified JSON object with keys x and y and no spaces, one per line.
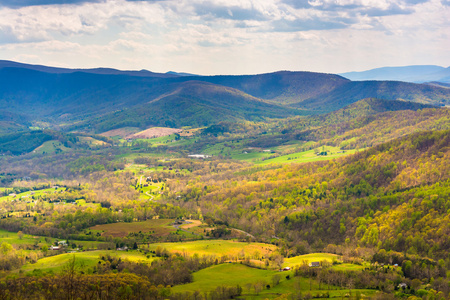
{"x":103,"y":71}
{"x":98,"y":100}
{"x":416,"y":74}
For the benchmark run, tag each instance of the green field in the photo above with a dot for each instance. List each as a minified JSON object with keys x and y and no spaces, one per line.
{"x":319,"y":257}
{"x":209,"y":279}
{"x":217,"y":247}
{"x":298,"y":260}
{"x":83,"y":259}
{"x":14,"y":239}
{"x":308,"y":156}
{"x":227,"y":275}
{"x":28,"y":195}
{"x":52,"y":146}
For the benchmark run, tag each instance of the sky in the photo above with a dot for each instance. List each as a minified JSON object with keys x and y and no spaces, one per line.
{"x":226,"y":36}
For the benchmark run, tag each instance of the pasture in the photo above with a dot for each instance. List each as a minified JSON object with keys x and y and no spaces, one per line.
{"x":52,"y":146}
{"x":298,"y":260}
{"x":308,"y":156}
{"x":32,"y":194}
{"x":228,"y":248}
{"x":248,"y":278}
{"x":84,"y":260}
{"x":225,"y":275}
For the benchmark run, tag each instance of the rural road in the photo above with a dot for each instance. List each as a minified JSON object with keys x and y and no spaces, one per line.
{"x":177,"y":226}
{"x":244,"y":232}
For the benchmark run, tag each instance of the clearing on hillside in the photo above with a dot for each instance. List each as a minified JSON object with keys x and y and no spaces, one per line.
{"x":312,"y":257}
{"x":160,"y":227}
{"x":121,"y":132}
{"x":219,"y":247}
{"x":84,"y":259}
{"x":154,"y":132}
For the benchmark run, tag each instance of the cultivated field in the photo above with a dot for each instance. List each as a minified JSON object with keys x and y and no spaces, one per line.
{"x":161,"y":227}
{"x":154,"y":132}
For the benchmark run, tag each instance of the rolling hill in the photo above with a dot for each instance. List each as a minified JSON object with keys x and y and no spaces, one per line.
{"x":390,"y":90}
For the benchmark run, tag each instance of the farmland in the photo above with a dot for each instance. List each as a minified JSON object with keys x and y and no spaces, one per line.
{"x":161,"y":227}
{"x":226,"y":248}
{"x":85,"y":260}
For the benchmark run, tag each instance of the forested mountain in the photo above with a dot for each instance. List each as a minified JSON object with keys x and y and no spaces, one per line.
{"x":390,"y":90}
{"x":191,"y":103}
{"x":102,"y":71}
{"x":282,"y":87}
{"x":102,"y":99}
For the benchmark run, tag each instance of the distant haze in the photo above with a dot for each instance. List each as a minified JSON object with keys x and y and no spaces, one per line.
{"x":418,"y":74}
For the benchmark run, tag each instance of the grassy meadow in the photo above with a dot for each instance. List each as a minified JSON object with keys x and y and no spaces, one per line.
{"x":85,"y":260}
{"x":233,"y":274}
{"x":298,"y":260}
{"x":218,"y":248}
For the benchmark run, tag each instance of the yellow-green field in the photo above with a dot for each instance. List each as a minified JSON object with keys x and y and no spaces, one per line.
{"x":225,"y":275}
{"x":308,"y":156}
{"x":209,"y":279}
{"x":28,"y":195}
{"x":319,"y":257}
{"x":83,"y":259}
{"x":298,"y":260}
{"x":218,"y":248}
{"x":14,"y":239}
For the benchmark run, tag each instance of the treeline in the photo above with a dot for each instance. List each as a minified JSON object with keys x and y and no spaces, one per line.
{"x":114,"y":278}
{"x":388,"y":279}
{"x":25,"y":142}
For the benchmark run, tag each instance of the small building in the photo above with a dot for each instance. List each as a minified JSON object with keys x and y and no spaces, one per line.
{"x":200,"y":156}
{"x":54,"y":248}
{"x":402,"y":286}
{"x":124,"y":248}
{"x":12,"y":195}
{"x":314,"y":264}
{"x":286,"y":268}
{"x":62,"y":243}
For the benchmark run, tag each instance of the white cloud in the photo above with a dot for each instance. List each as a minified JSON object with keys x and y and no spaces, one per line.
{"x":229,"y":36}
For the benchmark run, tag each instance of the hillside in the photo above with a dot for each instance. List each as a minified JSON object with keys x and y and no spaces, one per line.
{"x":281,"y":87}
{"x":390,"y":90}
{"x":192,"y":103}
{"x":100,"y":71}
{"x":316,"y":204}
{"x":101,"y":100}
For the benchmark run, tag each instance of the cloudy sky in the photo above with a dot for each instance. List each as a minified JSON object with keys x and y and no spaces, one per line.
{"x":226,"y":36}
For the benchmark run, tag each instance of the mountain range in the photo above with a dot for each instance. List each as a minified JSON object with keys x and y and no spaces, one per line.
{"x":416,"y":74}
{"x":97,"y":100}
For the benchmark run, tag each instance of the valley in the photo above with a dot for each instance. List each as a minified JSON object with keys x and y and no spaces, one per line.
{"x":286,"y":185}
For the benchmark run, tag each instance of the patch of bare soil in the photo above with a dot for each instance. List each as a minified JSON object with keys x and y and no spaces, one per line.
{"x":154,"y":132}
{"x":122,"y":132}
